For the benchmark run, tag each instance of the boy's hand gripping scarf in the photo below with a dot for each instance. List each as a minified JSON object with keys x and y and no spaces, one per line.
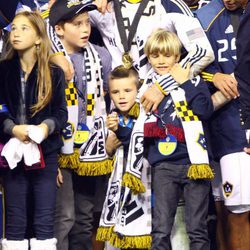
{"x":91,"y":158}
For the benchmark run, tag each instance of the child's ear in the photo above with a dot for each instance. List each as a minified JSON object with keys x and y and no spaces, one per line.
{"x":38,"y":42}
{"x":59,"y":30}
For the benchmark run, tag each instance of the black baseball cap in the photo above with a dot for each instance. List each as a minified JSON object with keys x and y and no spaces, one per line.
{"x":63,"y":10}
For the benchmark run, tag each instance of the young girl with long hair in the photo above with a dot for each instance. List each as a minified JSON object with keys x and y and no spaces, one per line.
{"x":32,"y":114}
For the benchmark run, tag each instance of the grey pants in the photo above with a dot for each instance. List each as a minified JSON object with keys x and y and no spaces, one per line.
{"x":169,"y":181}
{"x":74,"y":212}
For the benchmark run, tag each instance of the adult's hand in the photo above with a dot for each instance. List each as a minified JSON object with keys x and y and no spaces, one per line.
{"x":227,"y":84}
{"x":151,"y":99}
{"x":102,"y":5}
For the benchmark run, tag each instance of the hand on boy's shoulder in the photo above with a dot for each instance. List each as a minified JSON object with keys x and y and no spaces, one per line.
{"x":64,"y":64}
{"x":180,"y":74}
{"x":112,"y":121}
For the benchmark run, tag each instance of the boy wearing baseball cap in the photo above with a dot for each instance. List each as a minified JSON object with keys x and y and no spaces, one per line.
{"x":86,"y":107}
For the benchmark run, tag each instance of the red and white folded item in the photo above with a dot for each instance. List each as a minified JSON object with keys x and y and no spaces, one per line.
{"x":15,"y":150}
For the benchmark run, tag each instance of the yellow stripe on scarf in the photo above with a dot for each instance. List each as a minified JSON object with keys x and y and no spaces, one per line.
{"x":184,"y":112}
{"x":71,"y":95}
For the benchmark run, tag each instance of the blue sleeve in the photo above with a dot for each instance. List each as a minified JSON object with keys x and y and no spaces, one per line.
{"x":198,"y":98}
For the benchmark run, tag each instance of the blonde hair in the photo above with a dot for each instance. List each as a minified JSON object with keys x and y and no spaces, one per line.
{"x":163,"y":42}
{"x":44,"y":82}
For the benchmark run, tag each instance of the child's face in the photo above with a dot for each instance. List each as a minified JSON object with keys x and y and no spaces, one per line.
{"x":75,"y":34}
{"x":123,"y":93}
{"x":162,"y":63}
{"x":23,"y":36}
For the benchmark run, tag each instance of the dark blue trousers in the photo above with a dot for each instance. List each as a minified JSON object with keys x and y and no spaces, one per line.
{"x":40,"y":184}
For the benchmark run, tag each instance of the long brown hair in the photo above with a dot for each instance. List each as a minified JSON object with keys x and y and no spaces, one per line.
{"x":44,"y":84}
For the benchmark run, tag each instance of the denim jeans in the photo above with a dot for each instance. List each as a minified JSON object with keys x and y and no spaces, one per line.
{"x":18,"y":183}
{"x":74,"y":212}
{"x":169,"y":181}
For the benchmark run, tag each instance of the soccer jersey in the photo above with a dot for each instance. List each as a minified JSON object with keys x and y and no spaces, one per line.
{"x":226,"y":134}
{"x":154,"y":16}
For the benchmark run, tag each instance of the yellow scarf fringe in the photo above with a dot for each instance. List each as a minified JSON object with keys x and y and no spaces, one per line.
{"x":200,"y":171}
{"x":121,"y":241}
{"x":104,"y":233}
{"x":134,"y":183}
{"x":85,"y":168}
{"x":135,"y":110}
{"x":95,"y":168}
{"x":68,"y":161}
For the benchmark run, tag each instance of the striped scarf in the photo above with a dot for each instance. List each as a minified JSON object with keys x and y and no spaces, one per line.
{"x":91,"y":157}
{"x":126,"y":216}
{"x":192,"y":126}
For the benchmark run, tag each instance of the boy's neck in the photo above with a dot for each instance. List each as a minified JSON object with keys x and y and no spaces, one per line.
{"x":71,"y":50}
{"x":125,"y":116}
{"x":125,"y":120}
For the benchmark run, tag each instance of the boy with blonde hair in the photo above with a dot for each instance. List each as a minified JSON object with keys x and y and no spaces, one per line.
{"x":176,"y":143}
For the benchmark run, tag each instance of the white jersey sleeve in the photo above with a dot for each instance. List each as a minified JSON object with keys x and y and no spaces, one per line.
{"x":200,"y":53}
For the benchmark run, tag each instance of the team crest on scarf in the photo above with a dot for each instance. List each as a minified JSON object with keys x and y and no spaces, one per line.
{"x":202,"y":141}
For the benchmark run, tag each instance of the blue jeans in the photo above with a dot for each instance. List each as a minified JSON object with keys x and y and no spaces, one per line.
{"x":169,"y":181}
{"x":18,"y":186}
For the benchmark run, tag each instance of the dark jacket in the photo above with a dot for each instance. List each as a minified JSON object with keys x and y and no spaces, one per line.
{"x":243,"y":66}
{"x":199,"y":101}
{"x":10,"y":95}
